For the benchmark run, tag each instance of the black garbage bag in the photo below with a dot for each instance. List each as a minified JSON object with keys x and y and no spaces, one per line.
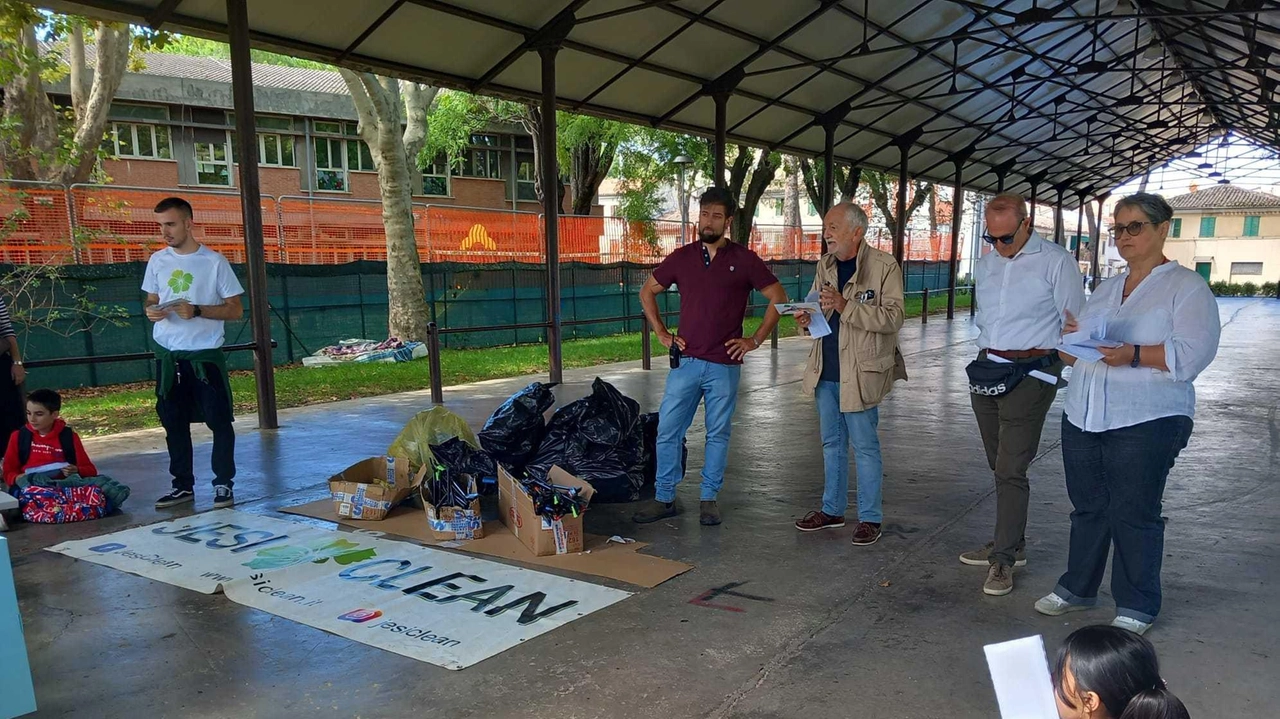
{"x":649,"y":425}
{"x":513,"y":433}
{"x":599,"y":440}
{"x":461,"y":458}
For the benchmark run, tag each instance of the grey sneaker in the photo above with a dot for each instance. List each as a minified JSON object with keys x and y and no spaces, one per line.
{"x":652,"y":510}
{"x":982,"y":557}
{"x":709,"y":514}
{"x":223,"y":497}
{"x":1136,"y":626}
{"x":1054,"y":606}
{"x":999,"y":580}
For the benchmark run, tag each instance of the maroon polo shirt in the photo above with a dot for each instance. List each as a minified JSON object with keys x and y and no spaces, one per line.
{"x":713,"y":299}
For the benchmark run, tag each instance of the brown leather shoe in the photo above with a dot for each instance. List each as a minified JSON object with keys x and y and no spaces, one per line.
{"x":709,"y":514}
{"x":866,"y":533}
{"x":813,"y":521}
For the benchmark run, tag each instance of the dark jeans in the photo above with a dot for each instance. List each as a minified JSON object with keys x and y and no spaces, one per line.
{"x":1010,"y":426}
{"x":192,"y":400}
{"x":1116,"y":480}
{"x":13,"y":411}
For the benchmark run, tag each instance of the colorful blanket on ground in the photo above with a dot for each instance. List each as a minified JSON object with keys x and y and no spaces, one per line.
{"x":358,"y":350}
{"x":58,"y":505}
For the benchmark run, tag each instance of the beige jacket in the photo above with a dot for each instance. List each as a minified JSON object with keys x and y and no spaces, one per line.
{"x":870,"y":361}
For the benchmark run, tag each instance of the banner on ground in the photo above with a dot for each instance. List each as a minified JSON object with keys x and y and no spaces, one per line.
{"x":447,"y":609}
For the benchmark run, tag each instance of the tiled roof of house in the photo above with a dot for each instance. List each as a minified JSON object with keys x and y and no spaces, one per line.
{"x":1224,"y":197}
{"x":216,"y":69}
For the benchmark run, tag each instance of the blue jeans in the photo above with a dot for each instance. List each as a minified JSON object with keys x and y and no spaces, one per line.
{"x":693,"y":382}
{"x":1115,"y":480}
{"x":838,"y":429}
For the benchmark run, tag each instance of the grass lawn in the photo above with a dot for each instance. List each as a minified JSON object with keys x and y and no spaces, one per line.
{"x":106,"y":410}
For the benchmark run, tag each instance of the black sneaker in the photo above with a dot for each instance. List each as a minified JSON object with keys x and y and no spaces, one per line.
{"x":222,"y":497}
{"x":176,"y":497}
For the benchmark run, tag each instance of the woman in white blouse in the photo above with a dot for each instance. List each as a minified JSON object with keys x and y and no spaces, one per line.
{"x":1128,"y":415}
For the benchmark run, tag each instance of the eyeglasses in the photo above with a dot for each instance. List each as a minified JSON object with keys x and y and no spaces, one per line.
{"x":992,"y":239}
{"x":1133,"y":228}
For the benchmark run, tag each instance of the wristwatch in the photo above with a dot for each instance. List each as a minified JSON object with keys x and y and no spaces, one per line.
{"x":1137,"y":356}
{"x":196,"y":312}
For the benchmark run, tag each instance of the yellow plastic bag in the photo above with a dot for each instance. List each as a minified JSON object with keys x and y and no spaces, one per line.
{"x":434,"y":426}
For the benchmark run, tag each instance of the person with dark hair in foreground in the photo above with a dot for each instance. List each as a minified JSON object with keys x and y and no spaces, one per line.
{"x":191,"y":294}
{"x":1107,"y":672}
{"x":715,"y":277}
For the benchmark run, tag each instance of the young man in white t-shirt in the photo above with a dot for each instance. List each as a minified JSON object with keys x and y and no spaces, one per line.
{"x":191,"y":294}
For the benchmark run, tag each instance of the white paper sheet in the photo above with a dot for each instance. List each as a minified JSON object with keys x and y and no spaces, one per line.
{"x":818,"y":326}
{"x":1020,"y":674}
{"x":51,"y":467}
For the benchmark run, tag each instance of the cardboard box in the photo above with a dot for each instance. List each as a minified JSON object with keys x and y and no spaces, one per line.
{"x":539,"y":535}
{"x":454,"y":523}
{"x":369,"y":488}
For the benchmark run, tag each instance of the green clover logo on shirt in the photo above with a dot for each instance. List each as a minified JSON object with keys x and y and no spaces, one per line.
{"x":180,"y":281}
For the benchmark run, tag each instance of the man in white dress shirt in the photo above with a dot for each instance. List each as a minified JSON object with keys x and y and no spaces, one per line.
{"x":1023,"y":289}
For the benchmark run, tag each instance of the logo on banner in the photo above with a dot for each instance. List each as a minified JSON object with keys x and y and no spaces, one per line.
{"x":360,"y":616}
{"x":105,"y":548}
{"x":340,"y":551}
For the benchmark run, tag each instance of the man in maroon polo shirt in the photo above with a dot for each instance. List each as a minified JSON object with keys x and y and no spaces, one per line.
{"x":715,"y":278}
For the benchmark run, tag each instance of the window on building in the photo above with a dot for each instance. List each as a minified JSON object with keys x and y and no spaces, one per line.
{"x":809,"y":209}
{"x":331,"y":166}
{"x":138,"y":140}
{"x":1251,"y":223}
{"x":778,"y":206}
{"x":1208,"y":225}
{"x":213,"y":164}
{"x":359,"y":159}
{"x":1175,"y":230}
{"x":339,"y":155}
{"x":274,"y":149}
{"x":525,"y":174}
{"x":1246,"y":268}
{"x":435,"y":177}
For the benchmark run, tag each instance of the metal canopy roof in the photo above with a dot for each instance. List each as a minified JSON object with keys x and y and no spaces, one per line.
{"x":1078,"y":95}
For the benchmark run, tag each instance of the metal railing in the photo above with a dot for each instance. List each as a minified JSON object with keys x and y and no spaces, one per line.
{"x":128,"y":357}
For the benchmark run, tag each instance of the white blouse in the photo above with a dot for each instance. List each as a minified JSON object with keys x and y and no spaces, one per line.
{"x":1174,"y":307}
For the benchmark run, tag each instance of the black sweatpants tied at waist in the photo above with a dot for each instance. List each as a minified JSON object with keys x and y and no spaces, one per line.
{"x":191,"y":399}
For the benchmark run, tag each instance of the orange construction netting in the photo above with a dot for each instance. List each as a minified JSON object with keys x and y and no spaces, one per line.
{"x":101,"y":224}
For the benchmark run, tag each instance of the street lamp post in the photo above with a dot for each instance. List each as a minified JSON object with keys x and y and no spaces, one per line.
{"x":682,"y":162}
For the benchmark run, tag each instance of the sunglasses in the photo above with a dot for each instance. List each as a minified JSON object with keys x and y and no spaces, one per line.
{"x":992,"y":239}
{"x":1133,"y":228}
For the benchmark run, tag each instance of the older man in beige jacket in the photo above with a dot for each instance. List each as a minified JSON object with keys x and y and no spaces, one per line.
{"x":852,"y":369}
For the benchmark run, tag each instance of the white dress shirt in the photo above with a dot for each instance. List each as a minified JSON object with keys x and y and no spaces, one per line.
{"x":1021,"y":299}
{"x":1174,"y":307}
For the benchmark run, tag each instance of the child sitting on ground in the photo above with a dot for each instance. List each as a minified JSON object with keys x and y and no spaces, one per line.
{"x":1105,"y":672}
{"x":46,"y":445}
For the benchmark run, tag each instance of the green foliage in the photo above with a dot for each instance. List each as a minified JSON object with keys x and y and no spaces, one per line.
{"x":646,"y":167}
{"x":575,"y":130}
{"x":1219,"y":288}
{"x":1248,"y":289}
{"x":1268,"y":289}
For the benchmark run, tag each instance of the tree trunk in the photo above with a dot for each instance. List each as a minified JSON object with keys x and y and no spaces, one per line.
{"x":791,"y":195}
{"x":112,"y":47}
{"x":590,"y":164}
{"x":379,"y":104}
{"x":750,"y":191}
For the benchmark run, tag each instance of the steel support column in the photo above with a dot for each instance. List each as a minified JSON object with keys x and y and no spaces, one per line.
{"x":1059,"y":223}
{"x":1079,"y":223}
{"x":1096,"y":241}
{"x":722,"y":132}
{"x":551,"y":208}
{"x":829,"y":168}
{"x":251,"y":209}
{"x":957,"y":210}
{"x":904,"y":144}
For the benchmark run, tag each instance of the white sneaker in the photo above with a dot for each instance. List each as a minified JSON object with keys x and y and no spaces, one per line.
{"x":1133,"y":625}
{"x":1054,"y":606}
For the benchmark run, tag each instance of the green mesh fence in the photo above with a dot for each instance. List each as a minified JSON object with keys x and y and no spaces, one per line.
{"x":317,"y":305}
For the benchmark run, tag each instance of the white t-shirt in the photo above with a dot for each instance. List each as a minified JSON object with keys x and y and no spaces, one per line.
{"x":203,"y":277}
